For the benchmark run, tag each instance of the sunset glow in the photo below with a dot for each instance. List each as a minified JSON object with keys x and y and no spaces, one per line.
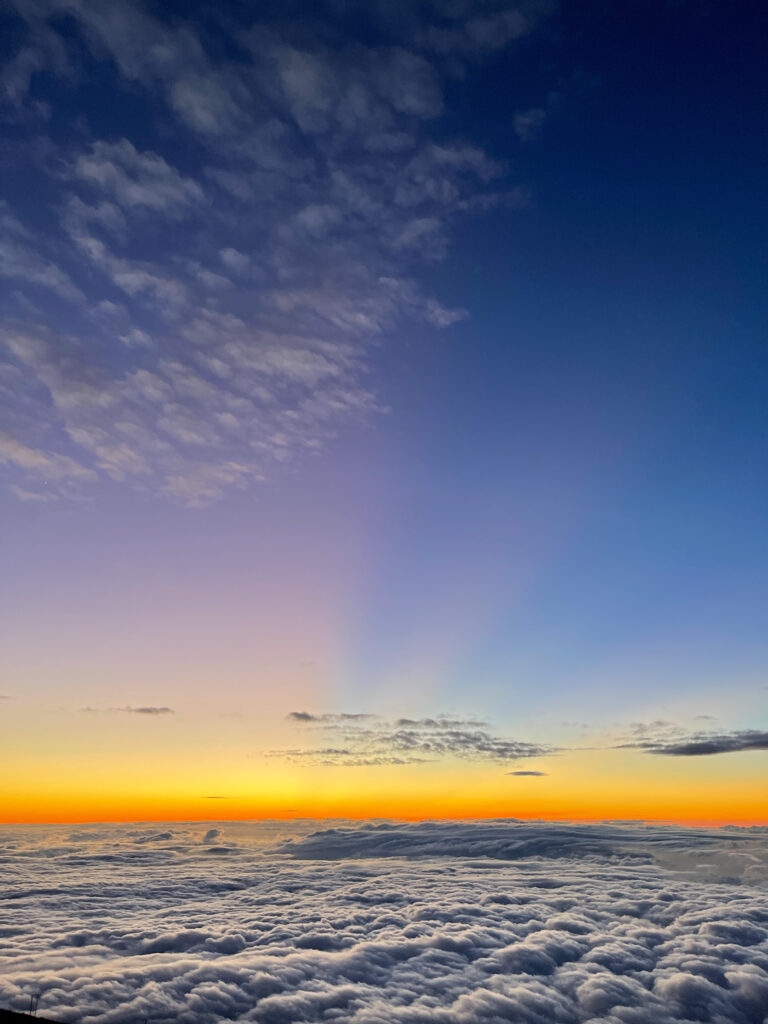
{"x":384,"y":512}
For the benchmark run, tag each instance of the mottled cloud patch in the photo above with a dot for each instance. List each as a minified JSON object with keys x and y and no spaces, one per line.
{"x":47,"y":465}
{"x":441,"y":722}
{"x":135,"y":179}
{"x":356,"y":740}
{"x":193,"y":297}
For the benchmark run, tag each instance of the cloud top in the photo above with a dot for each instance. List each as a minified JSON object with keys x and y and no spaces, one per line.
{"x":606,"y":934}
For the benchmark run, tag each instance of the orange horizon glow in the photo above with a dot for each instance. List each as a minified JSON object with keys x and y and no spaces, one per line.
{"x":687,"y":822}
{"x":86,"y":768}
{"x":74,"y":809}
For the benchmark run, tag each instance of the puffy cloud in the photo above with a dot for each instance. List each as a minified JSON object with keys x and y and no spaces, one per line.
{"x":434,"y":923}
{"x":28,"y":264}
{"x":136,"y":179}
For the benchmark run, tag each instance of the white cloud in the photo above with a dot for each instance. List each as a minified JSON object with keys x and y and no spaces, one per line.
{"x":136,"y":179}
{"x":41,"y":463}
{"x":235,"y":260}
{"x":528,"y":123}
{"x":432,"y":923}
{"x":29,"y":265}
{"x":23,"y":494}
{"x":486,"y":33}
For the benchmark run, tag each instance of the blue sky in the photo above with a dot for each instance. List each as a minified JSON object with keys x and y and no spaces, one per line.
{"x":419,"y":345}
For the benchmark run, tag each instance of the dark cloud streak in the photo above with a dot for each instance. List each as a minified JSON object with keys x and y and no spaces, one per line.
{"x":703,"y":744}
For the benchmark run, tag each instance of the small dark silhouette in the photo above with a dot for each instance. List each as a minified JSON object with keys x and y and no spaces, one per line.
{"x":13,"y":1017}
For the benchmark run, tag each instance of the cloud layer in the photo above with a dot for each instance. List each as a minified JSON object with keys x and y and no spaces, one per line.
{"x":404,"y":924}
{"x":199,"y":299}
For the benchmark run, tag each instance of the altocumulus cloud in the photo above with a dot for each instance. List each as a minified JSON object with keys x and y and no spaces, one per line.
{"x":388,"y":924}
{"x":359,"y":740}
{"x":203,"y":298}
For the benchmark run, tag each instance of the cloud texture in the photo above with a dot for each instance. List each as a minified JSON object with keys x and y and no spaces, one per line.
{"x":355,"y":740}
{"x":199,"y":287}
{"x":662,"y":737}
{"x":412,"y":924}
{"x":703,"y":743}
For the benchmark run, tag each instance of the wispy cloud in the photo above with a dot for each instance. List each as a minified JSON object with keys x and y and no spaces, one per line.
{"x":306,"y":717}
{"x":150,"y":710}
{"x":134,"y":179}
{"x":528,"y":123}
{"x":143,"y":710}
{"x":699,"y":744}
{"x":670,"y":738}
{"x":48,"y":465}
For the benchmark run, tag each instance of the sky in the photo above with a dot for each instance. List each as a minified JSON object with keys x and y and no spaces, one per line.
{"x":384,"y":394}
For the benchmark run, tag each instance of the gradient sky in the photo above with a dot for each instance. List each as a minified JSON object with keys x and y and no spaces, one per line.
{"x":404,"y":360}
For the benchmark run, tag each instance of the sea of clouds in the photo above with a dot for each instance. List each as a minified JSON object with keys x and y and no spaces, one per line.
{"x":388,"y":923}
